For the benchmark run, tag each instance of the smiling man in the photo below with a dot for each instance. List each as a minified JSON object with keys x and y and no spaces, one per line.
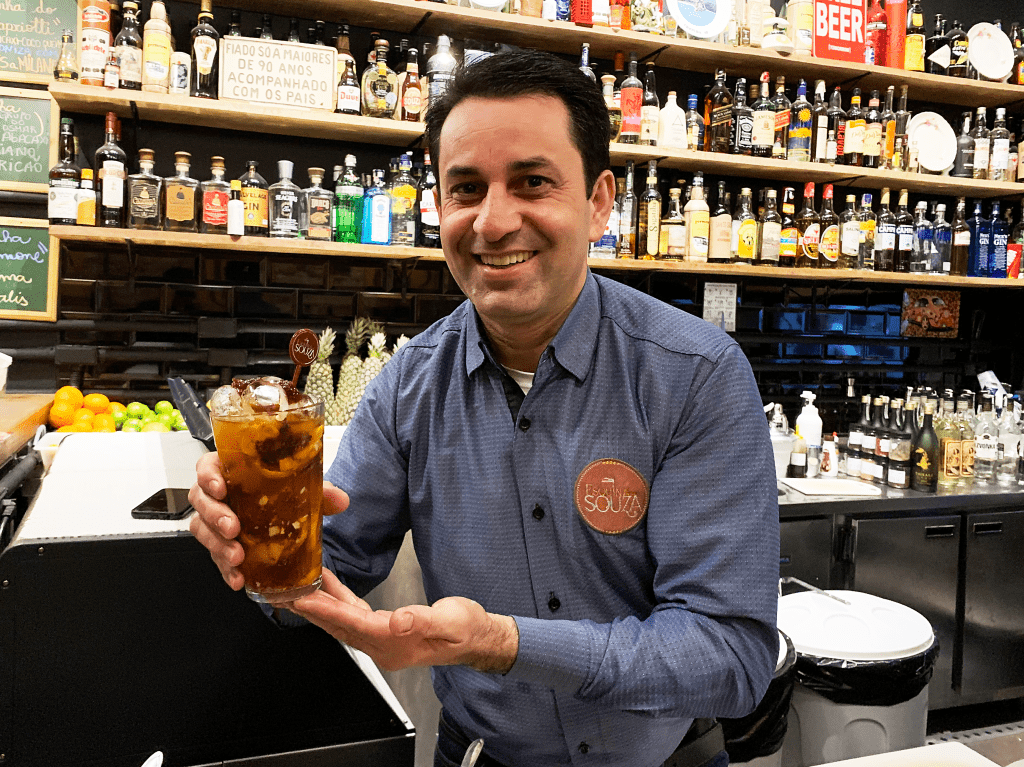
{"x":586,"y":471}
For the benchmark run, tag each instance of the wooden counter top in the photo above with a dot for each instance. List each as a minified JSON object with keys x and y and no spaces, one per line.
{"x":21,"y":415}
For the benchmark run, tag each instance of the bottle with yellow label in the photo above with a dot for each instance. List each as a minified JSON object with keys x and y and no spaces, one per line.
{"x":913,"y":50}
{"x":156,"y":50}
{"x":697,"y":216}
{"x":649,"y":229}
{"x":256,"y":201}
{"x":746,"y":229}
{"x":85,"y":197}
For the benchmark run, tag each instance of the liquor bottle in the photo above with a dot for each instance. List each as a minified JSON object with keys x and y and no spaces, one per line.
{"x":937,"y":51}
{"x":627,"y":245}
{"x":204,"y":56}
{"x":650,"y":109}
{"x":958,"y":46}
{"x":801,"y":125}
{"x":771,"y":232}
{"x":963,"y":162}
{"x":266,"y":28}
{"x":960,"y":249}
{"x":673,"y":228}
{"x":128,"y":48}
{"x":585,"y":62}
{"x":410,"y":92}
{"x":789,"y":236}
{"x":614,"y":110}
{"x":349,"y":91}
{"x":849,"y":229}
{"x":913,"y":46}
{"x":631,"y":101}
{"x":947,"y":430}
{"x":981,"y":240}
{"x":746,"y":234}
{"x":883,"y":439}
{"x":380,"y":84}
{"x":783,"y":109}
{"x":430,"y":222}
{"x":403,"y":205}
{"x":903,"y":118}
{"x":982,"y":144}
{"x":808,"y":226}
{"x":721,"y":229}
{"x":694,"y":124}
{"x":855,"y":129}
{"x":66,"y":68}
{"x":999,"y":141}
{"x":837,"y":123}
{"x":942,"y":242}
{"x":110,"y":161}
{"x":1015,"y":249}
{"x":440,"y":70}
{"x":831,"y":232}
{"x":156,"y":50}
{"x":619,"y":71}
{"x":921,"y":260}
{"x":901,"y":444}
{"x":888,"y":120}
{"x":819,"y":123}
{"x":649,"y":218}
{"x":924,"y":472}
{"x":868,"y":442}
{"x":85,"y":200}
{"x":94,"y":40}
{"x":256,"y":199}
{"x":873,"y":133}
{"x":116,"y":18}
{"x":885,"y":236}
{"x":344,"y":58}
{"x":348,"y":203}
{"x":235,"y":25}
{"x":376,"y":224}
{"x":876,"y":38}
{"x":180,"y":197}
{"x":64,"y":178}
{"x":718,"y":116}
{"x":316,"y":209}
{"x":986,"y":440}
{"x":293,"y":31}
{"x":213,"y":201}
{"x":145,"y":192}
{"x":742,"y":121}
{"x":867,"y":224}
{"x":1011,"y":174}
{"x":904,"y":234}
{"x":111,"y":70}
{"x":1000,"y":238}
{"x":697,"y":220}
{"x":763,"y":136}
{"x":965,"y":423}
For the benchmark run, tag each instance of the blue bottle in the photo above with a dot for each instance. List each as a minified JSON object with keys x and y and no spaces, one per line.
{"x":1000,"y":239}
{"x":376,"y":224}
{"x":981,"y":235}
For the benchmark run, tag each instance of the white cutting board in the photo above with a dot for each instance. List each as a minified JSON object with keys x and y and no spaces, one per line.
{"x":832,"y":487}
{"x":939,"y":755}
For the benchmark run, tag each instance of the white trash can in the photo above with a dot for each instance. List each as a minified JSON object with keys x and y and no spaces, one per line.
{"x":862,"y":674}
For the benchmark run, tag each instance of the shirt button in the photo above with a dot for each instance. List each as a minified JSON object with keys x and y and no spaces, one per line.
{"x":524,"y":424}
{"x":584,"y":748}
{"x":554,"y":603}
{"x":538,"y":512}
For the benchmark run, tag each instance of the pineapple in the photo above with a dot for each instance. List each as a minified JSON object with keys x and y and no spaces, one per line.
{"x":320,"y":380}
{"x":374,"y":361}
{"x":348,"y":376}
{"x":402,"y":341}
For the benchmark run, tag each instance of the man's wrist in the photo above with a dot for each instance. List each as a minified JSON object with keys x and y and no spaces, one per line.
{"x":498,"y":646}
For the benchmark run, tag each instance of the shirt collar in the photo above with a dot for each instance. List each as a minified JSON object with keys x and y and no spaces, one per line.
{"x":573,"y":345}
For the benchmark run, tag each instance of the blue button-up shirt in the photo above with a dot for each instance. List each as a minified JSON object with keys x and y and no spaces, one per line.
{"x":623,"y":638}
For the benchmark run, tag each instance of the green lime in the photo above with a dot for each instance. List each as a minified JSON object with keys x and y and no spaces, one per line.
{"x":163,"y":406}
{"x":176,"y":413}
{"x":132,"y":424}
{"x":120,"y":417}
{"x":180,"y":425}
{"x":166,"y":419}
{"x":156,"y":426}
{"x":136,"y":410}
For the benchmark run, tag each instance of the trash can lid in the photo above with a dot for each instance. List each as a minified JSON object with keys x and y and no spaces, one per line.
{"x":869,"y":628}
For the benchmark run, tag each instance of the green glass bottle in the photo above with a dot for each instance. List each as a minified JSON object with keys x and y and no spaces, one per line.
{"x":348,"y":207}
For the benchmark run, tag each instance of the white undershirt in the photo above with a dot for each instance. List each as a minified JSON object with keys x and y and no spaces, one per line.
{"x":521,"y":377}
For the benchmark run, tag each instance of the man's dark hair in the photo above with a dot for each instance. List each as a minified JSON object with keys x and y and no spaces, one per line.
{"x":511,"y":74}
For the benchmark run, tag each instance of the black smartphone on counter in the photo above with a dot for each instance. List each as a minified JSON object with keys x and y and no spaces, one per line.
{"x":169,"y":503}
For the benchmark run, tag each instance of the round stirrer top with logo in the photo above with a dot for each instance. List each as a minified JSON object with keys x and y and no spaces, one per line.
{"x":303,"y":349}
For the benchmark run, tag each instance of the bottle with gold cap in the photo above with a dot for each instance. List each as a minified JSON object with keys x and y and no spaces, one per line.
{"x":215,"y":194}
{"x":180,"y":196}
{"x":85,"y":199}
{"x":144,"y":194}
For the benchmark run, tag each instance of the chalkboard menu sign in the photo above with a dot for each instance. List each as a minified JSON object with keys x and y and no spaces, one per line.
{"x":30,"y":37}
{"x":27,"y":148}
{"x":28,"y":270}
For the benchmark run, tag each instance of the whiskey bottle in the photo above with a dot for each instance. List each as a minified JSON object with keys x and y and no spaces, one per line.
{"x":348,"y":203}
{"x":808,"y":226}
{"x":783,"y":107}
{"x":649,"y":219}
{"x":204,"y":55}
{"x":904,"y":234}
{"x":718,"y":116}
{"x":316,"y":209}
{"x":631,"y":101}
{"x":742,"y":122}
{"x":763,"y":137}
{"x":650,"y":109}
{"x":885,"y":236}
{"x":380,"y":84}
{"x":85,"y":200}
{"x":66,"y":68}
{"x":790,"y":235}
{"x":128,"y":46}
{"x":284,"y":203}
{"x":145,"y":191}
{"x":65,"y":177}
{"x":256,"y":199}
{"x":771,"y":232}
{"x":828,"y":245}
{"x":627,"y":217}
{"x":410,"y":92}
{"x":110,"y":161}
{"x":849,"y":231}
{"x":215,"y":196}
{"x":180,"y":197}
{"x":614,"y":110}
{"x":867,"y":223}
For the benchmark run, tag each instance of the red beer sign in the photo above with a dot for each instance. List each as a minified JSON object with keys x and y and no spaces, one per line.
{"x":839,"y":27}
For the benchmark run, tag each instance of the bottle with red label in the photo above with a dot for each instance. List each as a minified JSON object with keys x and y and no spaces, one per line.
{"x":828,"y":247}
{"x":808,"y":225}
{"x":411,"y":98}
{"x":94,"y":42}
{"x":876,"y":39}
{"x":1014,"y":249}
{"x":632,"y":97}
{"x":215,"y":196}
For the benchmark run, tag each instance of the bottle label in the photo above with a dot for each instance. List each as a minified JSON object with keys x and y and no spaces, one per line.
{"x":829,"y":247}
{"x":851,"y":238}
{"x":319,"y":218}
{"x":885,"y":237}
{"x":236,"y":217}
{"x":797,"y":459}
{"x":905,"y":237}
{"x":111,"y":76}
{"x":897,"y":477}
{"x":649,"y":123}
{"x":821,"y":139}
{"x":782,"y":120}
{"x":867,"y":233}
{"x":653,"y":228}
{"x":412,"y":99}
{"x":951,"y":451}
{"x":889,"y":139}
{"x":204,"y":51}
{"x":380,"y":218}
{"x":181,"y":66}
{"x":985,"y":447}
{"x":130,"y":63}
{"x":854,"y":137}
{"x":763,"y":134}
{"x":744,"y":132}
{"x":61,"y":202}
{"x":256,"y":202}
{"x":1000,"y":156}
{"x":867,"y":443}
{"x":144,"y":199}
{"x":962,"y":238}
{"x":809,"y":241}
{"x":958,"y":53}
{"x":429,"y":217}
{"x":800,"y":137}
{"x":721,"y":115}
{"x":873,"y":140}
{"x":180,"y":203}
{"x":112,"y":177}
{"x":771,"y":240}
{"x":215,"y":207}
{"x":788,"y":242}
{"x":840,"y":140}
{"x":747,"y":239}
{"x":632,"y":99}
{"x":1013,"y":260}
{"x":699,"y":233}
{"x":913,"y":54}
{"x":981,"y":146}
{"x":348,"y":99}
{"x":93,"y":52}
{"x":156,"y":58}
{"x":285,"y":220}
{"x":86,"y":202}
{"x":439,"y":82}
{"x":720,"y":237}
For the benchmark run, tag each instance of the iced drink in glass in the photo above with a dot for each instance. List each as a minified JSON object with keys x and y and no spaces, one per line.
{"x":270,"y":441}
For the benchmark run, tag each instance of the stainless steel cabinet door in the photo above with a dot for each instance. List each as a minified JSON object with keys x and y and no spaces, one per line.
{"x":806,"y":550}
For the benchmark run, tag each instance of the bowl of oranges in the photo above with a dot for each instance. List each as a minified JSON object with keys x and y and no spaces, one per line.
{"x":75,"y":411}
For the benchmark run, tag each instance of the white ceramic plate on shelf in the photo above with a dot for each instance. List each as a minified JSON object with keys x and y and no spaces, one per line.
{"x":990,"y":51}
{"x":936,"y":142}
{"x":704,"y":19}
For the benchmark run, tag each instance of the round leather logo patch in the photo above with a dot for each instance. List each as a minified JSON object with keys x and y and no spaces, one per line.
{"x":611,"y":496}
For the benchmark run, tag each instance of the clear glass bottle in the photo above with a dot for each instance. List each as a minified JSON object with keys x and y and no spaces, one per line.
{"x":942,"y":242}
{"x":867,"y":224}
{"x":885,"y":236}
{"x":66,"y":68}
{"x":849,"y":235}
{"x":145,"y":192}
{"x":614,"y":110}
{"x":650,"y":109}
{"x":673,"y":229}
{"x":721,"y":229}
{"x":215,"y":194}
{"x":284,"y":203}
{"x":180,"y":197}
{"x":924,"y":246}
{"x":403,"y":205}
{"x":380,"y":84}
{"x":430,"y":223}
{"x":801,"y":126}
{"x":376,"y":218}
{"x":745,"y":233}
{"x":256,"y":199}
{"x":986,"y":441}
{"x":855,"y":129}
{"x":64,"y":178}
{"x":900,"y":446}
{"x":631,"y":98}
{"x":783,"y":108}
{"x":316,"y":209}
{"x":790,"y":237}
{"x":771,"y":231}
{"x":697,"y":222}
{"x":649,"y":219}
{"x":627,"y":217}
{"x":947,"y":429}
{"x":694,"y":124}
{"x":440,"y":69}
{"x":607,"y":246}
{"x":999,"y":156}
{"x":829,"y":244}
{"x":837,"y":125}
{"x":763,"y":136}
{"x":982,"y":144}
{"x":128,"y":47}
{"x":808,"y":226}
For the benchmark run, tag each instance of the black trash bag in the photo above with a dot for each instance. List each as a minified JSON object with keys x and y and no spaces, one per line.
{"x":868,"y":682}
{"x":761,"y":732}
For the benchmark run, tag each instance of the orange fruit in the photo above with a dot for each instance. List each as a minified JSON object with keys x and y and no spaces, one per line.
{"x":79,"y":427}
{"x":104,"y":422}
{"x":116,"y":407}
{"x":97,"y":403}
{"x":69,"y":395}
{"x":62,"y":414}
{"x":84,"y":415}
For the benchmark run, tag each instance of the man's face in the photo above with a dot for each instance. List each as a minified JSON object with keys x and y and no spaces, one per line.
{"x":516,"y":218}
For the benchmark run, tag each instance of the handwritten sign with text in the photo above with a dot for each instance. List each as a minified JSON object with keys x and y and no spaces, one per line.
{"x":30,"y":37}
{"x":25,"y":140}
{"x":28,"y":270}
{"x":277,"y":72}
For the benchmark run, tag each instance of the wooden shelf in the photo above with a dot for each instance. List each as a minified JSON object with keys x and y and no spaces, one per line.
{"x":88,"y":235}
{"x":234,"y":115}
{"x":24,"y":186}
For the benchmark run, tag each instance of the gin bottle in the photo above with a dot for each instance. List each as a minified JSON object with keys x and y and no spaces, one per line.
{"x":284,"y":203}
{"x":376,"y":215}
{"x":215,"y":196}
{"x":316,"y":209}
{"x":256,"y":200}
{"x":348,"y":203}
{"x":180,"y":197}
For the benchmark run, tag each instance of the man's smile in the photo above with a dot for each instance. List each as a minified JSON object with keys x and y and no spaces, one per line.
{"x":505,"y":259}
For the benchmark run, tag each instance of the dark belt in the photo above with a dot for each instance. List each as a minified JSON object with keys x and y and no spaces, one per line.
{"x":702,"y":742}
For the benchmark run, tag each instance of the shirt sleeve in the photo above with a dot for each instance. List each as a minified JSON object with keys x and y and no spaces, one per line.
{"x":709,"y":646}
